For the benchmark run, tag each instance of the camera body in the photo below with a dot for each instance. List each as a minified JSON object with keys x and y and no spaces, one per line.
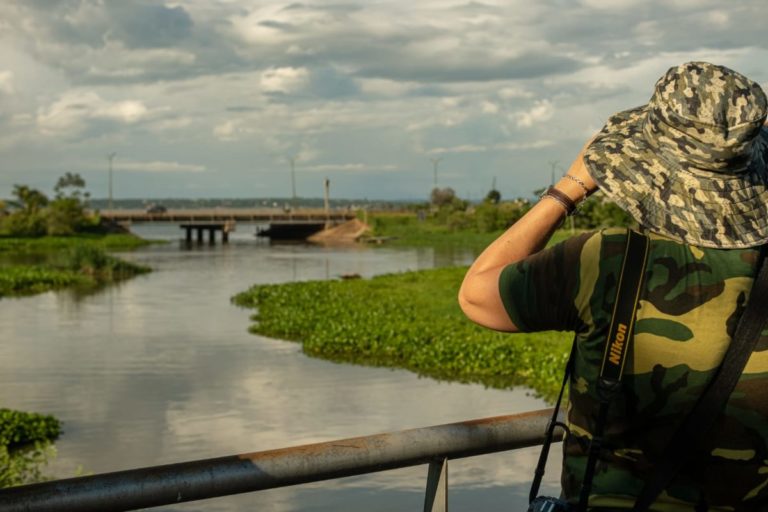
{"x":549,"y":504}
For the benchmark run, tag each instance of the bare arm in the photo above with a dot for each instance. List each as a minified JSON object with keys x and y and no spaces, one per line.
{"x":479,"y":294}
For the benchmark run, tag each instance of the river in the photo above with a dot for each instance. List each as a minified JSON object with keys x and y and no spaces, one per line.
{"x":161,"y":369}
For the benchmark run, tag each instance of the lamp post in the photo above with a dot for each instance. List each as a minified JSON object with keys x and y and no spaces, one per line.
{"x":553,"y":164}
{"x":110,"y":157}
{"x":435,"y":161}
{"x":292,"y":160}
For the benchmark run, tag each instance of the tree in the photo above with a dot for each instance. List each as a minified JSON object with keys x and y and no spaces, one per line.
{"x":442,"y":196}
{"x":66,"y":214}
{"x":71,"y":185}
{"x":493,"y":196}
{"x":36,"y":215}
{"x":29,"y":199}
{"x":29,"y":218}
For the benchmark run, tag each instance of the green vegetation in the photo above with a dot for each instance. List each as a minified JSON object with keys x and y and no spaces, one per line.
{"x":33,"y":214}
{"x":448,"y":220}
{"x":409,"y":320}
{"x":25,"y":446}
{"x":47,"y":244}
{"x":76,"y":264}
{"x":110,"y":242}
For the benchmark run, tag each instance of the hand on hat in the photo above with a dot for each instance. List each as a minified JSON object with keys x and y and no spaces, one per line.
{"x":580,"y":185}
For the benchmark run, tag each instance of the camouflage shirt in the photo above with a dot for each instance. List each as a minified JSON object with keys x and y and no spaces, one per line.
{"x":691,"y":301}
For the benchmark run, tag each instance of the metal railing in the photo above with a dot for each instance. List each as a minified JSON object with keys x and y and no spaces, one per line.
{"x":197,"y":480}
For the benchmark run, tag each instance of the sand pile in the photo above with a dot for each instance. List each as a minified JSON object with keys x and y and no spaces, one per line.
{"x":350,"y":231}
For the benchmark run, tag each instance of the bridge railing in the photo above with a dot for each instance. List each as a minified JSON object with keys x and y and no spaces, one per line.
{"x":197,"y":480}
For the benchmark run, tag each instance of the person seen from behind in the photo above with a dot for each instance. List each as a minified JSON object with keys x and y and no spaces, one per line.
{"x":690,"y":168}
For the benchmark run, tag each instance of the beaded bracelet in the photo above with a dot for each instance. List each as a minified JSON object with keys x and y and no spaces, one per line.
{"x":566,"y":202}
{"x":580,"y":183}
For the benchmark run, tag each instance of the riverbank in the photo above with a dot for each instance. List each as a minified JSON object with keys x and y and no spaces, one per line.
{"x":409,"y":320}
{"x":408,"y":230}
{"x":35,"y":265}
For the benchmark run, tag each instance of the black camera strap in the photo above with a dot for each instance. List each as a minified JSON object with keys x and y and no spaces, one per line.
{"x":617,"y":345}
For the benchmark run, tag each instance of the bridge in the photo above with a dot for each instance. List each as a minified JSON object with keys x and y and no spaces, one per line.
{"x":293,"y":224}
{"x":270,"y":215}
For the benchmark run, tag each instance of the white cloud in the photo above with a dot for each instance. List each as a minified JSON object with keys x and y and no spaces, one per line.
{"x":542,"y":110}
{"x":504,"y":146}
{"x":612,"y":4}
{"x":514,"y":92}
{"x":157,"y":166}
{"x":464,"y":148}
{"x":489,"y":107}
{"x":230,"y":130}
{"x":6,"y":82}
{"x":74,"y":109}
{"x":284,"y":80}
{"x":349,"y":167}
{"x":343,"y":82}
{"x":384,"y":87}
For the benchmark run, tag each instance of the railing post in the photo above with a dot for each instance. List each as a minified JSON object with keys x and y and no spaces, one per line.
{"x":436,"y":498}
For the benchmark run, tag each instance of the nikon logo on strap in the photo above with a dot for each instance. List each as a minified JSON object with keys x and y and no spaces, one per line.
{"x":617,"y":345}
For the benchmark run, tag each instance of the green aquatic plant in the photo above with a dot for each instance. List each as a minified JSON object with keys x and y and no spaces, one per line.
{"x":23,"y":280}
{"x":409,"y":320}
{"x":111,"y":242}
{"x":26,"y":446}
{"x":78,"y":265}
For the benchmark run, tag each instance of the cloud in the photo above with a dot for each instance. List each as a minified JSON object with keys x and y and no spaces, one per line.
{"x":349,"y":167}
{"x":247,"y":83}
{"x":143,"y":24}
{"x":542,"y":110}
{"x":503,"y":146}
{"x":157,"y":166}
{"x":284,"y":80}
{"x":74,"y":110}
{"x":6,"y":82}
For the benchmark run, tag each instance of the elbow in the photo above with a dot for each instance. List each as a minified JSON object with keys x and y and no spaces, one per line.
{"x":483,"y":306}
{"x":467,"y":303}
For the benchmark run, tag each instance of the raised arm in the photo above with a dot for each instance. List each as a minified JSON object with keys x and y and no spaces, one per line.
{"x":479,"y":294}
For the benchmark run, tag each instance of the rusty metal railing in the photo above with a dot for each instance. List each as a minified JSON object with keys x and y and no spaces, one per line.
{"x":197,"y":480}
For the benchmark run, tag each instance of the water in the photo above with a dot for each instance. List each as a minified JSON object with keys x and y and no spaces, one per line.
{"x":161,"y":369}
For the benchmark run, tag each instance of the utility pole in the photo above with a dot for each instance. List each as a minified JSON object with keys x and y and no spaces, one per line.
{"x":326,"y":193}
{"x":292,"y":160}
{"x":110,"y":157}
{"x":435,"y":161}
{"x":553,"y":163}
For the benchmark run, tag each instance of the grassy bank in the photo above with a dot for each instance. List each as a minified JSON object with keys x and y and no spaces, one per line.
{"x":25,"y":446}
{"x":406,"y":229}
{"x":34,"y":265}
{"x":111,"y":242}
{"x":409,"y":320}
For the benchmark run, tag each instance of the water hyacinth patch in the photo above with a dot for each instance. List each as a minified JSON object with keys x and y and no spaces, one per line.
{"x":25,"y":446}
{"x":408,"y":320}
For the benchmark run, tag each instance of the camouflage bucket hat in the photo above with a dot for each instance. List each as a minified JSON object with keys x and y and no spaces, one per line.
{"x":691,"y":164}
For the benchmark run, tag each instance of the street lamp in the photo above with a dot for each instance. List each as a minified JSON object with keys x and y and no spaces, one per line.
{"x":292,"y":160}
{"x":110,"y":157}
{"x":553,"y":164}
{"x":435,"y":161}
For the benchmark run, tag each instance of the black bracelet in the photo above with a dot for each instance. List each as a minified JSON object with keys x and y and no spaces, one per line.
{"x":565,"y":201}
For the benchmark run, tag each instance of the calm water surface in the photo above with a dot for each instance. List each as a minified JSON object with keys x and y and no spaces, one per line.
{"x":161,"y":369}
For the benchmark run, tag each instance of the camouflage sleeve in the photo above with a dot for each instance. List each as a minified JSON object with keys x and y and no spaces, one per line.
{"x":539,"y":291}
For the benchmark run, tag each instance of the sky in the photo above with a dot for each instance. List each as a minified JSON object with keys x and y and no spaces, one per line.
{"x":215,"y":98}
